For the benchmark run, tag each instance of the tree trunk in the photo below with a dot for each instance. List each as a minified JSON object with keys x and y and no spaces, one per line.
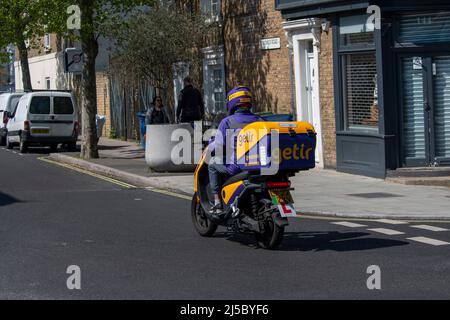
{"x":24,"y":66}
{"x":89,"y":46}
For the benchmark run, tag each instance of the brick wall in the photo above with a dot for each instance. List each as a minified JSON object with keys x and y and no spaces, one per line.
{"x":37,"y":47}
{"x":103,"y":101}
{"x":327,"y":100}
{"x":265,"y":71}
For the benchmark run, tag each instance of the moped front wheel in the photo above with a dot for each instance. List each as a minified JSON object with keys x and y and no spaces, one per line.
{"x":204,"y":226}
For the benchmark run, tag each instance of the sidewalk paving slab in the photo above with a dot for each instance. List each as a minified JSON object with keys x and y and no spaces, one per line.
{"x":317,"y":192}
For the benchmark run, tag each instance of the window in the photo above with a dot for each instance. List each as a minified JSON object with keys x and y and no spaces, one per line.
{"x":40,"y":105}
{"x":424,"y":28}
{"x":360,"y":90}
{"x":211,"y":8}
{"x":62,"y":105}
{"x":47,"y":83}
{"x":355,"y":32}
{"x":47,"y":44}
{"x":357,"y":58}
{"x":13,"y":103}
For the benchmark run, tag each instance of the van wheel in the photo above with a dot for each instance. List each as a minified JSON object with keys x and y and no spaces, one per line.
{"x":72,"y":146}
{"x":53,"y":147}
{"x":8,"y":144}
{"x":2,"y":141}
{"x":23,"y":146}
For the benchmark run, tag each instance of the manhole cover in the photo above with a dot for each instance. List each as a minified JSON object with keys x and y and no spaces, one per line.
{"x":375,"y":195}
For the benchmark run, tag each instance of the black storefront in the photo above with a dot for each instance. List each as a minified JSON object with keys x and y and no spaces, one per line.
{"x":391,"y":81}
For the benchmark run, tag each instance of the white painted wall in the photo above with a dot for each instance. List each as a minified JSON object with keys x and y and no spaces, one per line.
{"x":41,"y":67}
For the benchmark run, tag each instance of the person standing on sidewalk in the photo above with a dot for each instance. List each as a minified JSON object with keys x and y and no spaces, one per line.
{"x":190,"y":103}
{"x":156,"y":114}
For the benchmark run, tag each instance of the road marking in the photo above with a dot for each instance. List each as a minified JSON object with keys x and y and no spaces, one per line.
{"x":388,"y":232}
{"x":169,"y":193}
{"x":426,"y":240}
{"x":429,"y":228}
{"x":349,"y":224}
{"x":98,"y":176}
{"x":389,"y":221}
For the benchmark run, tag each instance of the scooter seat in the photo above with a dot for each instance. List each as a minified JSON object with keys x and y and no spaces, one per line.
{"x":238,"y":177}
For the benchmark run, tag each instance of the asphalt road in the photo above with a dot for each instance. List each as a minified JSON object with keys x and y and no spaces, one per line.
{"x":136,"y":244}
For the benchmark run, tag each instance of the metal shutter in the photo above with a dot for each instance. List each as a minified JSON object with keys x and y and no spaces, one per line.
{"x":413,"y":113}
{"x":441,"y":84}
{"x":424,"y":28}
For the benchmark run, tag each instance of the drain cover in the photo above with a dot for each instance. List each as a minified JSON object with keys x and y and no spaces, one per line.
{"x":375,"y":195}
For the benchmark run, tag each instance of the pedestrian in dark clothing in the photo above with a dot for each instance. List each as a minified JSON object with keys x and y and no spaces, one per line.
{"x":156,"y":114}
{"x":190,"y":103}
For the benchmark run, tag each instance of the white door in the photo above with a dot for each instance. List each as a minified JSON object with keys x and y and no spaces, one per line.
{"x":307,"y":86}
{"x":313,"y":111}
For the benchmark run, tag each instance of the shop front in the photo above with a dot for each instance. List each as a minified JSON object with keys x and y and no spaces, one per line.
{"x":391,"y":81}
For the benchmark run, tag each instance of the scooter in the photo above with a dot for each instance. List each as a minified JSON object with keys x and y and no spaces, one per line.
{"x":257,"y":200}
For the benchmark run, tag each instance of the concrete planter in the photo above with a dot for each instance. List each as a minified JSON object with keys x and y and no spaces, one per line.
{"x":162,"y":153}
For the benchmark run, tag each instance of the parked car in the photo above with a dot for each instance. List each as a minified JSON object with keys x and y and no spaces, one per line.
{"x":45,"y":118}
{"x":8,"y":101}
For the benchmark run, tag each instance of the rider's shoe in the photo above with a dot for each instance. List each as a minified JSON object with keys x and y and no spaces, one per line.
{"x":217,"y":211}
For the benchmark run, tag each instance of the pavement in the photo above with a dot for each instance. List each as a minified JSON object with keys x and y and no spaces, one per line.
{"x":317,"y":192}
{"x":135,"y":243}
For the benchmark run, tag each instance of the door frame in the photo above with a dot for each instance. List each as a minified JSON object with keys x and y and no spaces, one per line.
{"x":298,"y":33}
{"x":214,"y":58}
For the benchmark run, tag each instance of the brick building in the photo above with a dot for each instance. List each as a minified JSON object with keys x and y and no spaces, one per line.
{"x":384,"y":80}
{"x":247,"y":26}
{"x":46,"y":63}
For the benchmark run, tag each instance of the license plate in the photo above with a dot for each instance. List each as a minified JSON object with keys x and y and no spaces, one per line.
{"x":40,"y":131}
{"x":282,"y":199}
{"x":281,"y":196}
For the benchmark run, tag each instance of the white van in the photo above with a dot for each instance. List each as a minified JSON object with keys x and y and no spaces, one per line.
{"x":8,"y":101}
{"x":45,"y":118}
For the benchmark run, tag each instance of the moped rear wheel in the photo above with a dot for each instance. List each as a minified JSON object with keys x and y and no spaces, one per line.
{"x":272,"y":235}
{"x":204,"y":226}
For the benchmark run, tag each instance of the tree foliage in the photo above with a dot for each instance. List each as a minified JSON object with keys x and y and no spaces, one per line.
{"x":97,"y":16}
{"x":23,"y":23}
{"x":151,"y":43}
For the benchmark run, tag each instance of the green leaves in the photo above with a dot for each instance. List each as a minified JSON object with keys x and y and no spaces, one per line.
{"x":149,"y":44}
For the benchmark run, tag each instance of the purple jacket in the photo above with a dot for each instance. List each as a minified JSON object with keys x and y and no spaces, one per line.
{"x":227,"y":133}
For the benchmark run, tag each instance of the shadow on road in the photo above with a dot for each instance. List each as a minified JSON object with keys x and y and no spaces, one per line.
{"x":103,"y":147}
{"x":321,"y":241}
{"x":6,"y":199}
{"x":335,"y":241}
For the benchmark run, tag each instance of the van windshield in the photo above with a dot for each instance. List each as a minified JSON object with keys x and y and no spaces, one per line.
{"x":62,"y":105}
{"x":40,"y":105}
{"x":13,"y":103}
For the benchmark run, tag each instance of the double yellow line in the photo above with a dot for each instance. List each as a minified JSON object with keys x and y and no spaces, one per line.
{"x":98,"y":176}
{"x":114,"y":181}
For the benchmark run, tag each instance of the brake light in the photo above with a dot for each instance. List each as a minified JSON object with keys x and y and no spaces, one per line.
{"x":278,"y":185}
{"x":26,"y":126}
{"x":75,"y":129}
{"x":5,"y":118}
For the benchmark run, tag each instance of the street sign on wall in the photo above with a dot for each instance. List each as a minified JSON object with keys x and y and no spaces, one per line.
{"x":270,"y":43}
{"x":73,"y":60}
